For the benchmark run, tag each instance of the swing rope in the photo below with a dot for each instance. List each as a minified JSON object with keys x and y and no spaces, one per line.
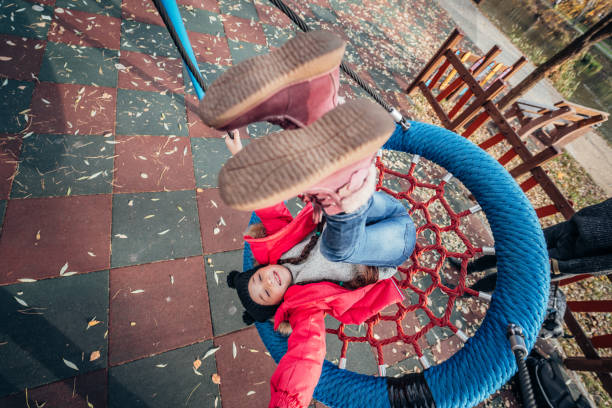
{"x":485,"y":362}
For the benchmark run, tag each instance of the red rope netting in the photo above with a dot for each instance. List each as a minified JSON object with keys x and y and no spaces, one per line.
{"x":428,"y":259}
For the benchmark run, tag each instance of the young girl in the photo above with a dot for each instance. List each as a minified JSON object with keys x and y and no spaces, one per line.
{"x":347,"y":237}
{"x":294,"y":253}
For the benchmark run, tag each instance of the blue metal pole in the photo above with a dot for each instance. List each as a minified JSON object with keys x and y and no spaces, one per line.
{"x":175,"y":17}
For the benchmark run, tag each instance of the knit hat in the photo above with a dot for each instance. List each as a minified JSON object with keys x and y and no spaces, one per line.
{"x":254,"y":311}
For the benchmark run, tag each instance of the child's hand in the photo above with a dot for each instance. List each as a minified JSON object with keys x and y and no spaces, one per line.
{"x":234,"y":145}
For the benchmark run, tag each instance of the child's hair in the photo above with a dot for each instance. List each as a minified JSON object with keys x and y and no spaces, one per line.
{"x":367,"y":274}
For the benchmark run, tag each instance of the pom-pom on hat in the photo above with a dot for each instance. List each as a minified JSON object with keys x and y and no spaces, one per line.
{"x":254,"y":311}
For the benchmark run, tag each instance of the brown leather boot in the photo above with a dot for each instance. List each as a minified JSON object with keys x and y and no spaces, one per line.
{"x":292,"y":86}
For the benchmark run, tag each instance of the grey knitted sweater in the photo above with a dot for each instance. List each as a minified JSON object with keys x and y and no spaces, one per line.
{"x":316,"y":267}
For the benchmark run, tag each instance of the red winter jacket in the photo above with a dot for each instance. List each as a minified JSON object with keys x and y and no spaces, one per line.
{"x":305,"y":306}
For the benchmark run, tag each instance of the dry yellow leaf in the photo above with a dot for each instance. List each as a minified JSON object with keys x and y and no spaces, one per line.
{"x":94,"y":355}
{"x":197,"y":364}
{"x":38,"y":235}
{"x":216,"y":379}
{"x":93,"y":322}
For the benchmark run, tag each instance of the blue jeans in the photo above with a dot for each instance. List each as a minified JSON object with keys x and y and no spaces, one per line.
{"x":380,"y":233}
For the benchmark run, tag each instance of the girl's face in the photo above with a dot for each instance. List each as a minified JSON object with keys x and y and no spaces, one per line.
{"x":268,"y":285}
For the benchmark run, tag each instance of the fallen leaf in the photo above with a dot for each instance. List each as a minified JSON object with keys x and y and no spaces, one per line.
{"x":216,"y":379}
{"x":2,"y":58}
{"x":196,"y":371}
{"x":234,"y":349}
{"x":163,"y":232}
{"x":132,"y":324}
{"x":250,"y":393}
{"x":122,"y":236}
{"x":94,"y":355}
{"x":137,"y":291}
{"x":161,"y":365}
{"x":38,"y":235}
{"x":70,"y":364}
{"x":21,"y":301}
{"x":197,"y":363}
{"x":93,"y":322}
{"x":211,"y":352}
{"x":26,"y":280}
{"x":64,"y":268}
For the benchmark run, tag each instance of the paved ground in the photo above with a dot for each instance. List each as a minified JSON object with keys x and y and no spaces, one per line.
{"x":591,"y":150}
{"x":114,"y":242}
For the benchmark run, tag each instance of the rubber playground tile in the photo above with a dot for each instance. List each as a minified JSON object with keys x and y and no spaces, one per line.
{"x":76,"y":391}
{"x":351,"y":56}
{"x":79,"y":65}
{"x":147,"y":38}
{"x":322,"y":13}
{"x":222,"y":228}
{"x":147,"y":73}
{"x":209,"y":154}
{"x":72,"y":109}
{"x":359,"y":357}
{"x":445,"y":348}
{"x":243,"y":355}
{"x":157,"y":226}
{"x":157,"y":307}
{"x":107,"y":8}
{"x":241,"y":50}
{"x":210,"y":48}
{"x":153,"y":163}
{"x":198,"y":129}
{"x":54,"y":329}
{"x":201,"y":21}
{"x":10,"y":146}
{"x":240,"y":29}
{"x":24,"y":19}
{"x":81,"y":28}
{"x":21,"y":57}
{"x":259,"y":129}
{"x":384,"y":82}
{"x":141,"y":10}
{"x":210,"y":5}
{"x":15,"y":98}
{"x":39,"y":241}
{"x":2,"y":209}
{"x":166,"y":380}
{"x":150,"y":113}
{"x":225,"y":307}
{"x":58,"y":165}
{"x":209,"y":72}
{"x":272,"y":15}
{"x":238,"y":8}
{"x":277,"y":36}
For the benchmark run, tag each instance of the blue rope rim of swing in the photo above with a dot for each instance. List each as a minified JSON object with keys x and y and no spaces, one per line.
{"x":485,"y":363}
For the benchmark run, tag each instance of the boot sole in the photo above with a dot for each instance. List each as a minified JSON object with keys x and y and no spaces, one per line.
{"x":246,"y":85}
{"x":284,"y":164}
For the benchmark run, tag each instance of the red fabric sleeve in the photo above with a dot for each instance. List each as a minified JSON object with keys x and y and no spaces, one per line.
{"x":268,"y":250}
{"x":274,"y":218}
{"x":298,"y":372}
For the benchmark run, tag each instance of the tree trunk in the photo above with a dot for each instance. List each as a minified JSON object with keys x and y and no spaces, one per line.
{"x":600,"y":31}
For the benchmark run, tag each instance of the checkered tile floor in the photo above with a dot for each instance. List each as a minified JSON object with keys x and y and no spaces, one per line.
{"x":114,"y":242}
